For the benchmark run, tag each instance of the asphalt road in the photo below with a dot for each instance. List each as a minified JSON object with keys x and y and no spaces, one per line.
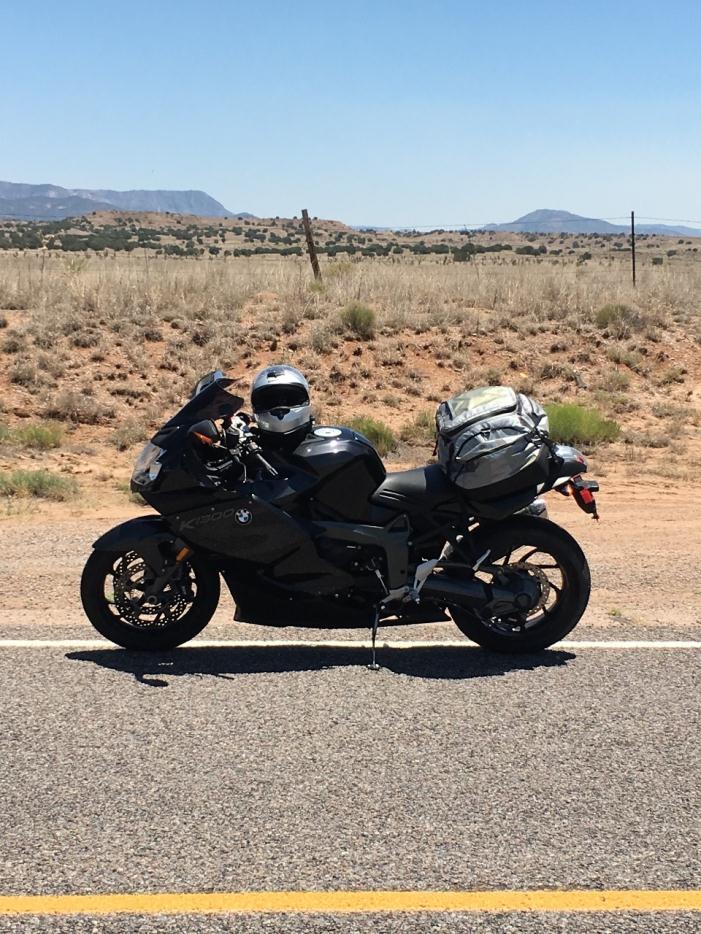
{"x":273,"y":768}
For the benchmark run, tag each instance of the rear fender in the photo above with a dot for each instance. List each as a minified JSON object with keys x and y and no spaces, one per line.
{"x":146,"y":535}
{"x":567,"y":462}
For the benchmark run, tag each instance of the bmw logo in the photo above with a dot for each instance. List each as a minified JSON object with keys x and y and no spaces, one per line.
{"x":243,"y":516}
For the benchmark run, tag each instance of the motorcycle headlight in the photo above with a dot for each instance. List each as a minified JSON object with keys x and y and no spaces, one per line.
{"x":147,"y":466}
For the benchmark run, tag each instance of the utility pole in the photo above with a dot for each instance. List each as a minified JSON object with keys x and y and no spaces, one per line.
{"x":311,"y":249}
{"x":632,"y":242}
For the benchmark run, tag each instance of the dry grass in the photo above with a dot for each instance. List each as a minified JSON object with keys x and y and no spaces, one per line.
{"x":83,"y":297}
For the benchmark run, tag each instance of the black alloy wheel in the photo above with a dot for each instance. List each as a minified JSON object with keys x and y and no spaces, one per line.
{"x":112,"y":589}
{"x":550,"y":556}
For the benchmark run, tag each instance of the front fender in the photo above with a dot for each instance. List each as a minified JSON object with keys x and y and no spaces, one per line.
{"x":145,"y":535}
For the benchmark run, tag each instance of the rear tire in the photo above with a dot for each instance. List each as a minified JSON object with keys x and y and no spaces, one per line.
{"x":105,"y":616}
{"x":546,"y":538}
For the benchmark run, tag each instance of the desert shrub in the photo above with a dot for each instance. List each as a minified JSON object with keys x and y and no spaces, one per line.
{"x":394,"y":402}
{"x":577,"y":424}
{"x":72,"y":406}
{"x":37,"y":483}
{"x":645,"y":439}
{"x":359,"y":319}
{"x":673,"y":411}
{"x":618,"y":319}
{"x":657,"y":261}
{"x":3,"y":322}
{"x":421,"y":430}
{"x":40,"y":435}
{"x":531,"y":250}
{"x":128,"y":390}
{"x":321,"y":339}
{"x":630,"y":358}
{"x":493,"y":376}
{"x":557,"y":371}
{"x":201,"y":333}
{"x":5,"y":434}
{"x":23,"y":373}
{"x":14,"y":342}
{"x":378,"y":434}
{"x":675,"y":374}
{"x":614,"y":381}
{"x":86,"y":338}
{"x":127,"y":434}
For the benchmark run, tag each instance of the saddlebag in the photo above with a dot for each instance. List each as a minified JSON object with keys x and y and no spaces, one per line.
{"x":490,"y":441}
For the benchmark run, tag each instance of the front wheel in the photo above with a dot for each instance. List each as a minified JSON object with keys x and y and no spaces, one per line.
{"x":553,"y":558}
{"x":112,"y":588}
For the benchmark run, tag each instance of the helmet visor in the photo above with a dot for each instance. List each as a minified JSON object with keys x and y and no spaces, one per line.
{"x":273,"y":397}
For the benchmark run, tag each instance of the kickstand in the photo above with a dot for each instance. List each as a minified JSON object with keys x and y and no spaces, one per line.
{"x":373,"y":666}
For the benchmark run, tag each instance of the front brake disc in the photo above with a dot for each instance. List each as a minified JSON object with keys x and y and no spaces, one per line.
{"x":129,"y":585}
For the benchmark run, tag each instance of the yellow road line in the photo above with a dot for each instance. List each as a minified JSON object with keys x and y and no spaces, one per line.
{"x":190,"y":903}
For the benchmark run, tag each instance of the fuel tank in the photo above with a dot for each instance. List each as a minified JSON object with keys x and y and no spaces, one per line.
{"x":344,"y":470}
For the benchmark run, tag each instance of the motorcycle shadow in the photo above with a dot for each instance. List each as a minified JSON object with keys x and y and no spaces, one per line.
{"x":437,"y":663}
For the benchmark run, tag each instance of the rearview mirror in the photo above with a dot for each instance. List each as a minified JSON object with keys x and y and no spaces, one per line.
{"x":207,"y":381}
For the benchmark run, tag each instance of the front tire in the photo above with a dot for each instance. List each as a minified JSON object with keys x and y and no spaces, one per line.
{"x":109,"y":578}
{"x":509,"y":542}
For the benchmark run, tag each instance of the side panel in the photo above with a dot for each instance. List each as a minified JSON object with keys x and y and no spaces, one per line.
{"x":243,"y":527}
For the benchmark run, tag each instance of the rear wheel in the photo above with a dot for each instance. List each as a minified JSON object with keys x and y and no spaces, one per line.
{"x":112,"y":588}
{"x":553,"y":558}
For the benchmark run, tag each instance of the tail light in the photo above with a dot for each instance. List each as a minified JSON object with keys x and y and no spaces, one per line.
{"x":583,"y":492}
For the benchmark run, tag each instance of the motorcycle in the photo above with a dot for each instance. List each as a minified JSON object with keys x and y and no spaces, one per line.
{"x":322,"y":536}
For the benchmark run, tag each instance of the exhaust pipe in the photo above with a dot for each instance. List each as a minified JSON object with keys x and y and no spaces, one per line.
{"x":474,"y":594}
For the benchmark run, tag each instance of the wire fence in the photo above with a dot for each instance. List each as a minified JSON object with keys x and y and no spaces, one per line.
{"x":527,"y":225}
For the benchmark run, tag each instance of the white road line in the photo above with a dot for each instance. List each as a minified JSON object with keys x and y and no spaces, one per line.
{"x":345,"y":644}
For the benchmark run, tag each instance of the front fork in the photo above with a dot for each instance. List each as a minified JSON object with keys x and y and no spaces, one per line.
{"x":167,"y":574}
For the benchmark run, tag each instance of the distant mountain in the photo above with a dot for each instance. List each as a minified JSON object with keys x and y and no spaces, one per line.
{"x":666,"y":231}
{"x":548,"y":221}
{"x":54,"y":208}
{"x":52,"y":202}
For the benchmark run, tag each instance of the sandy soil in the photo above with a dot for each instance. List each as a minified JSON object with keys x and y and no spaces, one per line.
{"x":644,"y":554}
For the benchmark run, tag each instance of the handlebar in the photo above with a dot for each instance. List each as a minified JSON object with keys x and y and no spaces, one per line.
{"x":240,"y":439}
{"x":264,"y":463}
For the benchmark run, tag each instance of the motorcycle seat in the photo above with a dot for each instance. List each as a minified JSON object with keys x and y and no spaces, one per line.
{"x":427,"y":485}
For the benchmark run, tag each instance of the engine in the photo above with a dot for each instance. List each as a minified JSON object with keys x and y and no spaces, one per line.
{"x":362,"y":563}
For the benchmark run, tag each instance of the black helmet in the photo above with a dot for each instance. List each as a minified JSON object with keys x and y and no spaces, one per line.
{"x":280,"y":400}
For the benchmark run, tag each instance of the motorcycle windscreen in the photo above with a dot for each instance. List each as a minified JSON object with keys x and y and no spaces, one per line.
{"x":213,"y":402}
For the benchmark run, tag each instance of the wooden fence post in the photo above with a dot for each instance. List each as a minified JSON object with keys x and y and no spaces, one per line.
{"x":632,"y":242}
{"x":311,"y":249}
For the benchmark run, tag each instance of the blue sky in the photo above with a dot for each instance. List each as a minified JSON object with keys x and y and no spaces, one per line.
{"x":382,"y":112}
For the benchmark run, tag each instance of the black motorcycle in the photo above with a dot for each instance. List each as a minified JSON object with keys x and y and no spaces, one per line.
{"x":321,"y":535}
